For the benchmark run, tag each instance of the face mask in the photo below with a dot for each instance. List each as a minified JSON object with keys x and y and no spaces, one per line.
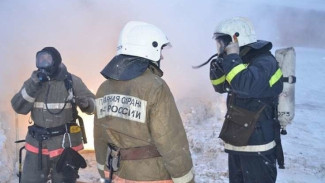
{"x":45,"y":64}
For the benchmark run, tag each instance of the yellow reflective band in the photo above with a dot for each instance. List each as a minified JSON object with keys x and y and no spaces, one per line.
{"x":234,"y":71}
{"x":219,"y":80}
{"x":75,"y":129}
{"x":275,"y":78}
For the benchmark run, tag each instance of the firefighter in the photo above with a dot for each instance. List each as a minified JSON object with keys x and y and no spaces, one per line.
{"x":137,"y":121}
{"x":249,"y":73}
{"x":51,"y":95}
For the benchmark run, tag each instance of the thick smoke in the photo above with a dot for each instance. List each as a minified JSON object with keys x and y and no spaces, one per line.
{"x":86,"y":34}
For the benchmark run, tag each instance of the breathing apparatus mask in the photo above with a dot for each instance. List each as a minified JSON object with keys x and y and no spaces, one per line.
{"x":222,"y":42}
{"x":48,"y":61}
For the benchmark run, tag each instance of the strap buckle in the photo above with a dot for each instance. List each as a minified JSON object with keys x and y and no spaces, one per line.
{"x":290,"y":79}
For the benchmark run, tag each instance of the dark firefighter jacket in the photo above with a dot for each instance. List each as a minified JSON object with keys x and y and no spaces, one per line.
{"x":253,"y":79}
{"x":31,"y":98}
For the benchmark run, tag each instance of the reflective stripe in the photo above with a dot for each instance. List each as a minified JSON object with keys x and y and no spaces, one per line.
{"x":219,"y":80}
{"x":52,"y":105}
{"x":251,"y":148}
{"x":26,"y":96}
{"x":186,"y":178}
{"x":117,"y":179}
{"x":53,"y":153}
{"x":275,"y":78}
{"x":34,"y":149}
{"x":234,"y":71}
{"x":100,"y":166}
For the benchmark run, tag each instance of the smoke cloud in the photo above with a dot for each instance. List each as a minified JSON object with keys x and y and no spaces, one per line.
{"x":86,"y":34}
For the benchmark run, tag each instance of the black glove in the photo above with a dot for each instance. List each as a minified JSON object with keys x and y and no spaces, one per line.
{"x":69,"y":163}
{"x":34,"y":77}
{"x":82,"y":102}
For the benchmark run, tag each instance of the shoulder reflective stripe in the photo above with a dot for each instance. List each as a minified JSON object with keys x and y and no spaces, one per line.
{"x":275,"y":78}
{"x":26,"y":96}
{"x":186,"y":178}
{"x":100,"y":166}
{"x":52,"y":105}
{"x":219,"y":80}
{"x":117,"y":179}
{"x":234,"y":71}
{"x":34,"y":149}
{"x":251,"y":148}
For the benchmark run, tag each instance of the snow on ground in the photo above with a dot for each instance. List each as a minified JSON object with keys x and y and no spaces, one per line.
{"x":7,"y":155}
{"x":303,"y":146}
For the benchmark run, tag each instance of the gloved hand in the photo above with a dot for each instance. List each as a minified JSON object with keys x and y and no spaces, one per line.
{"x":232,"y":48}
{"x":34,"y":77}
{"x":82,"y":102}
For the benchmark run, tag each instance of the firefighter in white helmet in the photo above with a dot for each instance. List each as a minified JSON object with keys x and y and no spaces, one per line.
{"x":139,"y":135}
{"x":249,"y":73}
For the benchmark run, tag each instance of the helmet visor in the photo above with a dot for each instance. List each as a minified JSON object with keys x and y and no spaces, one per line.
{"x":44,"y":60}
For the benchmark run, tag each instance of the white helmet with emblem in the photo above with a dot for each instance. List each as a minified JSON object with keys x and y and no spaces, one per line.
{"x":237,"y":24}
{"x":142,"y":39}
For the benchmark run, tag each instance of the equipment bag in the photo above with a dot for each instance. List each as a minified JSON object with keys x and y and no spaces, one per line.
{"x":239,"y":125}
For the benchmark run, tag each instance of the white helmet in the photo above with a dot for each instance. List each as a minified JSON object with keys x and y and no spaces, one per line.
{"x":238,"y":24}
{"x":141,"y":39}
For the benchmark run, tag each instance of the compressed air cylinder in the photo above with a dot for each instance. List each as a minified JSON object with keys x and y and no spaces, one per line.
{"x":286,"y":108}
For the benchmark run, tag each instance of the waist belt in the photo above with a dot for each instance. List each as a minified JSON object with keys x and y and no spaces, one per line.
{"x":40,"y":133}
{"x":137,"y":153}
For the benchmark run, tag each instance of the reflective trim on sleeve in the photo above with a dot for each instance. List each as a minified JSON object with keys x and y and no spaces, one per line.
{"x":52,"y":105}
{"x":234,"y":71}
{"x":219,"y":80}
{"x":100,"y":166}
{"x":186,"y":178}
{"x":275,"y":78}
{"x":26,"y":96}
{"x":251,"y":148}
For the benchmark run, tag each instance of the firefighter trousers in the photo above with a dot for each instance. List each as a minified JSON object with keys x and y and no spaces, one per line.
{"x":32,"y":174}
{"x":252,"y":168}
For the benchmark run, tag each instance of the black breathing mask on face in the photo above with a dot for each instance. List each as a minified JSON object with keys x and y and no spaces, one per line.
{"x":44,"y":63}
{"x":222,"y":43}
{"x":47,"y":62}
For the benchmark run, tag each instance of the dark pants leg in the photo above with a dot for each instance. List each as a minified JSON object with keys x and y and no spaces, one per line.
{"x":31,"y":172}
{"x":252,"y":169}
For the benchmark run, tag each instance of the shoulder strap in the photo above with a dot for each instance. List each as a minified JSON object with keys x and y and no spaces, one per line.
{"x":68,"y":83}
